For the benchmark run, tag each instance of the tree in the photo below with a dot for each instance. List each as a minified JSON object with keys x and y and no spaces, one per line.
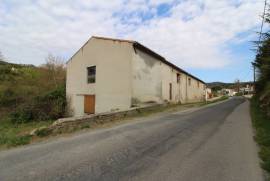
{"x":56,"y":69}
{"x":262,"y":65}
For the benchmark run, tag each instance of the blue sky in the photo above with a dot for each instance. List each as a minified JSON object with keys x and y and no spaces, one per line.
{"x":240,"y":68}
{"x":211,"y":39}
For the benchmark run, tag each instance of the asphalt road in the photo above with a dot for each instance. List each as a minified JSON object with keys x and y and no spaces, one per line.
{"x":210,"y":144}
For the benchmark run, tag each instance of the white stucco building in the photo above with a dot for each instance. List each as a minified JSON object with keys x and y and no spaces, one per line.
{"x":209,"y":94}
{"x":111,"y":74}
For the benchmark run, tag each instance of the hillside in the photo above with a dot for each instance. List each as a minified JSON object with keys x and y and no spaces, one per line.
{"x":21,"y":85}
{"x":226,"y":85}
{"x":30,"y":97}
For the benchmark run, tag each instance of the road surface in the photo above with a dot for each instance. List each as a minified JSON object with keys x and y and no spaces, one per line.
{"x":209,"y":144}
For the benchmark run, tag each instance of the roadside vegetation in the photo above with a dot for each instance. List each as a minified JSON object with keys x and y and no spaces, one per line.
{"x":30,"y":97}
{"x":260,"y":103}
{"x":33,"y":97}
{"x":262,"y":125}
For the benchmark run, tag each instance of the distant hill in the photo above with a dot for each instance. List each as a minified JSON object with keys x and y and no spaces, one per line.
{"x":3,"y":62}
{"x":221,"y":85}
{"x":14,"y":64}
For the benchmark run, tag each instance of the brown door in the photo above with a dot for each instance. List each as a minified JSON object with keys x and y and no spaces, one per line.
{"x":89,"y":104}
{"x":170,"y":91}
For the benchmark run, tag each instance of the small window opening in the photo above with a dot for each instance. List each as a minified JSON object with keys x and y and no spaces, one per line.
{"x":91,"y":74}
{"x":178,"y":78}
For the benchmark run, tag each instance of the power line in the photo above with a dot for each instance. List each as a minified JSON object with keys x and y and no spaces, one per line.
{"x":260,"y":37}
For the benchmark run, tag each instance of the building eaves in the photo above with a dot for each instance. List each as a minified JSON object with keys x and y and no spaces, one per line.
{"x":161,"y":58}
{"x":113,"y":39}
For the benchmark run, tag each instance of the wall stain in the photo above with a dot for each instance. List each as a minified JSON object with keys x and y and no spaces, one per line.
{"x":146,"y":70}
{"x":139,"y":76}
{"x":148,"y":61}
{"x":159,"y":89}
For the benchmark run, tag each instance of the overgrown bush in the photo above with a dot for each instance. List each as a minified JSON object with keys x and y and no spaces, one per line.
{"x":49,"y":106}
{"x":262,"y":137}
{"x":7,"y":97}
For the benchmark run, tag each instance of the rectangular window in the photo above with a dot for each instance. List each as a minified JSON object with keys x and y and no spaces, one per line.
{"x":91,"y":74}
{"x":178,"y":78}
{"x":189,"y":81}
{"x":198,"y":84}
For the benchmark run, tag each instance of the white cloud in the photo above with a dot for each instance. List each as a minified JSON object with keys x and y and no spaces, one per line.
{"x":196,"y":33}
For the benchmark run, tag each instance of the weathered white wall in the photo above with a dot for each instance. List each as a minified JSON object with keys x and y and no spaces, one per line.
{"x":146,"y":78}
{"x":195,"y":93}
{"x":113,"y":78}
{"x":169,"y":76}
{"x":151,"y":80}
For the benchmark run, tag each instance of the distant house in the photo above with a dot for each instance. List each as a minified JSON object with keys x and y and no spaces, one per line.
{"x":229,"y":92}
{"x":112,"y":74}
{"x":209,"y":94}
{"x":247,"y":89}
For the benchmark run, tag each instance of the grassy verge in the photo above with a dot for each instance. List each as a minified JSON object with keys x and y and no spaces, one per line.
{"x":12,"y":135}
{"x":262,"y":126}
{"x":223,"y":98}
{"x":17,"y":134}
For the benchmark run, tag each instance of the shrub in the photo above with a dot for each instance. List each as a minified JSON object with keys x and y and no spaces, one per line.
{"x":3,"y":139}
{"x":7,"y":97}
{"x":49,"y":106}
{"x":22,"y":115}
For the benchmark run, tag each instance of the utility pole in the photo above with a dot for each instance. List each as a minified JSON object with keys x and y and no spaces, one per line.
{"x":237,"y":85}
{"x":254,"y":74}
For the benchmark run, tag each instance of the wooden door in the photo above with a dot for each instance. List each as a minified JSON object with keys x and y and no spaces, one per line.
{"x":89,"y":104}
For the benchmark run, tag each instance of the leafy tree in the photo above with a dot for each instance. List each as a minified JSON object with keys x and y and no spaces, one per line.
{"x":262,"y":64}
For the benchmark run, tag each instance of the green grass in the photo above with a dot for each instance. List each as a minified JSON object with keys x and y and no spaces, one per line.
{"x":17,"y":134}
{"x":262,"y":126}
